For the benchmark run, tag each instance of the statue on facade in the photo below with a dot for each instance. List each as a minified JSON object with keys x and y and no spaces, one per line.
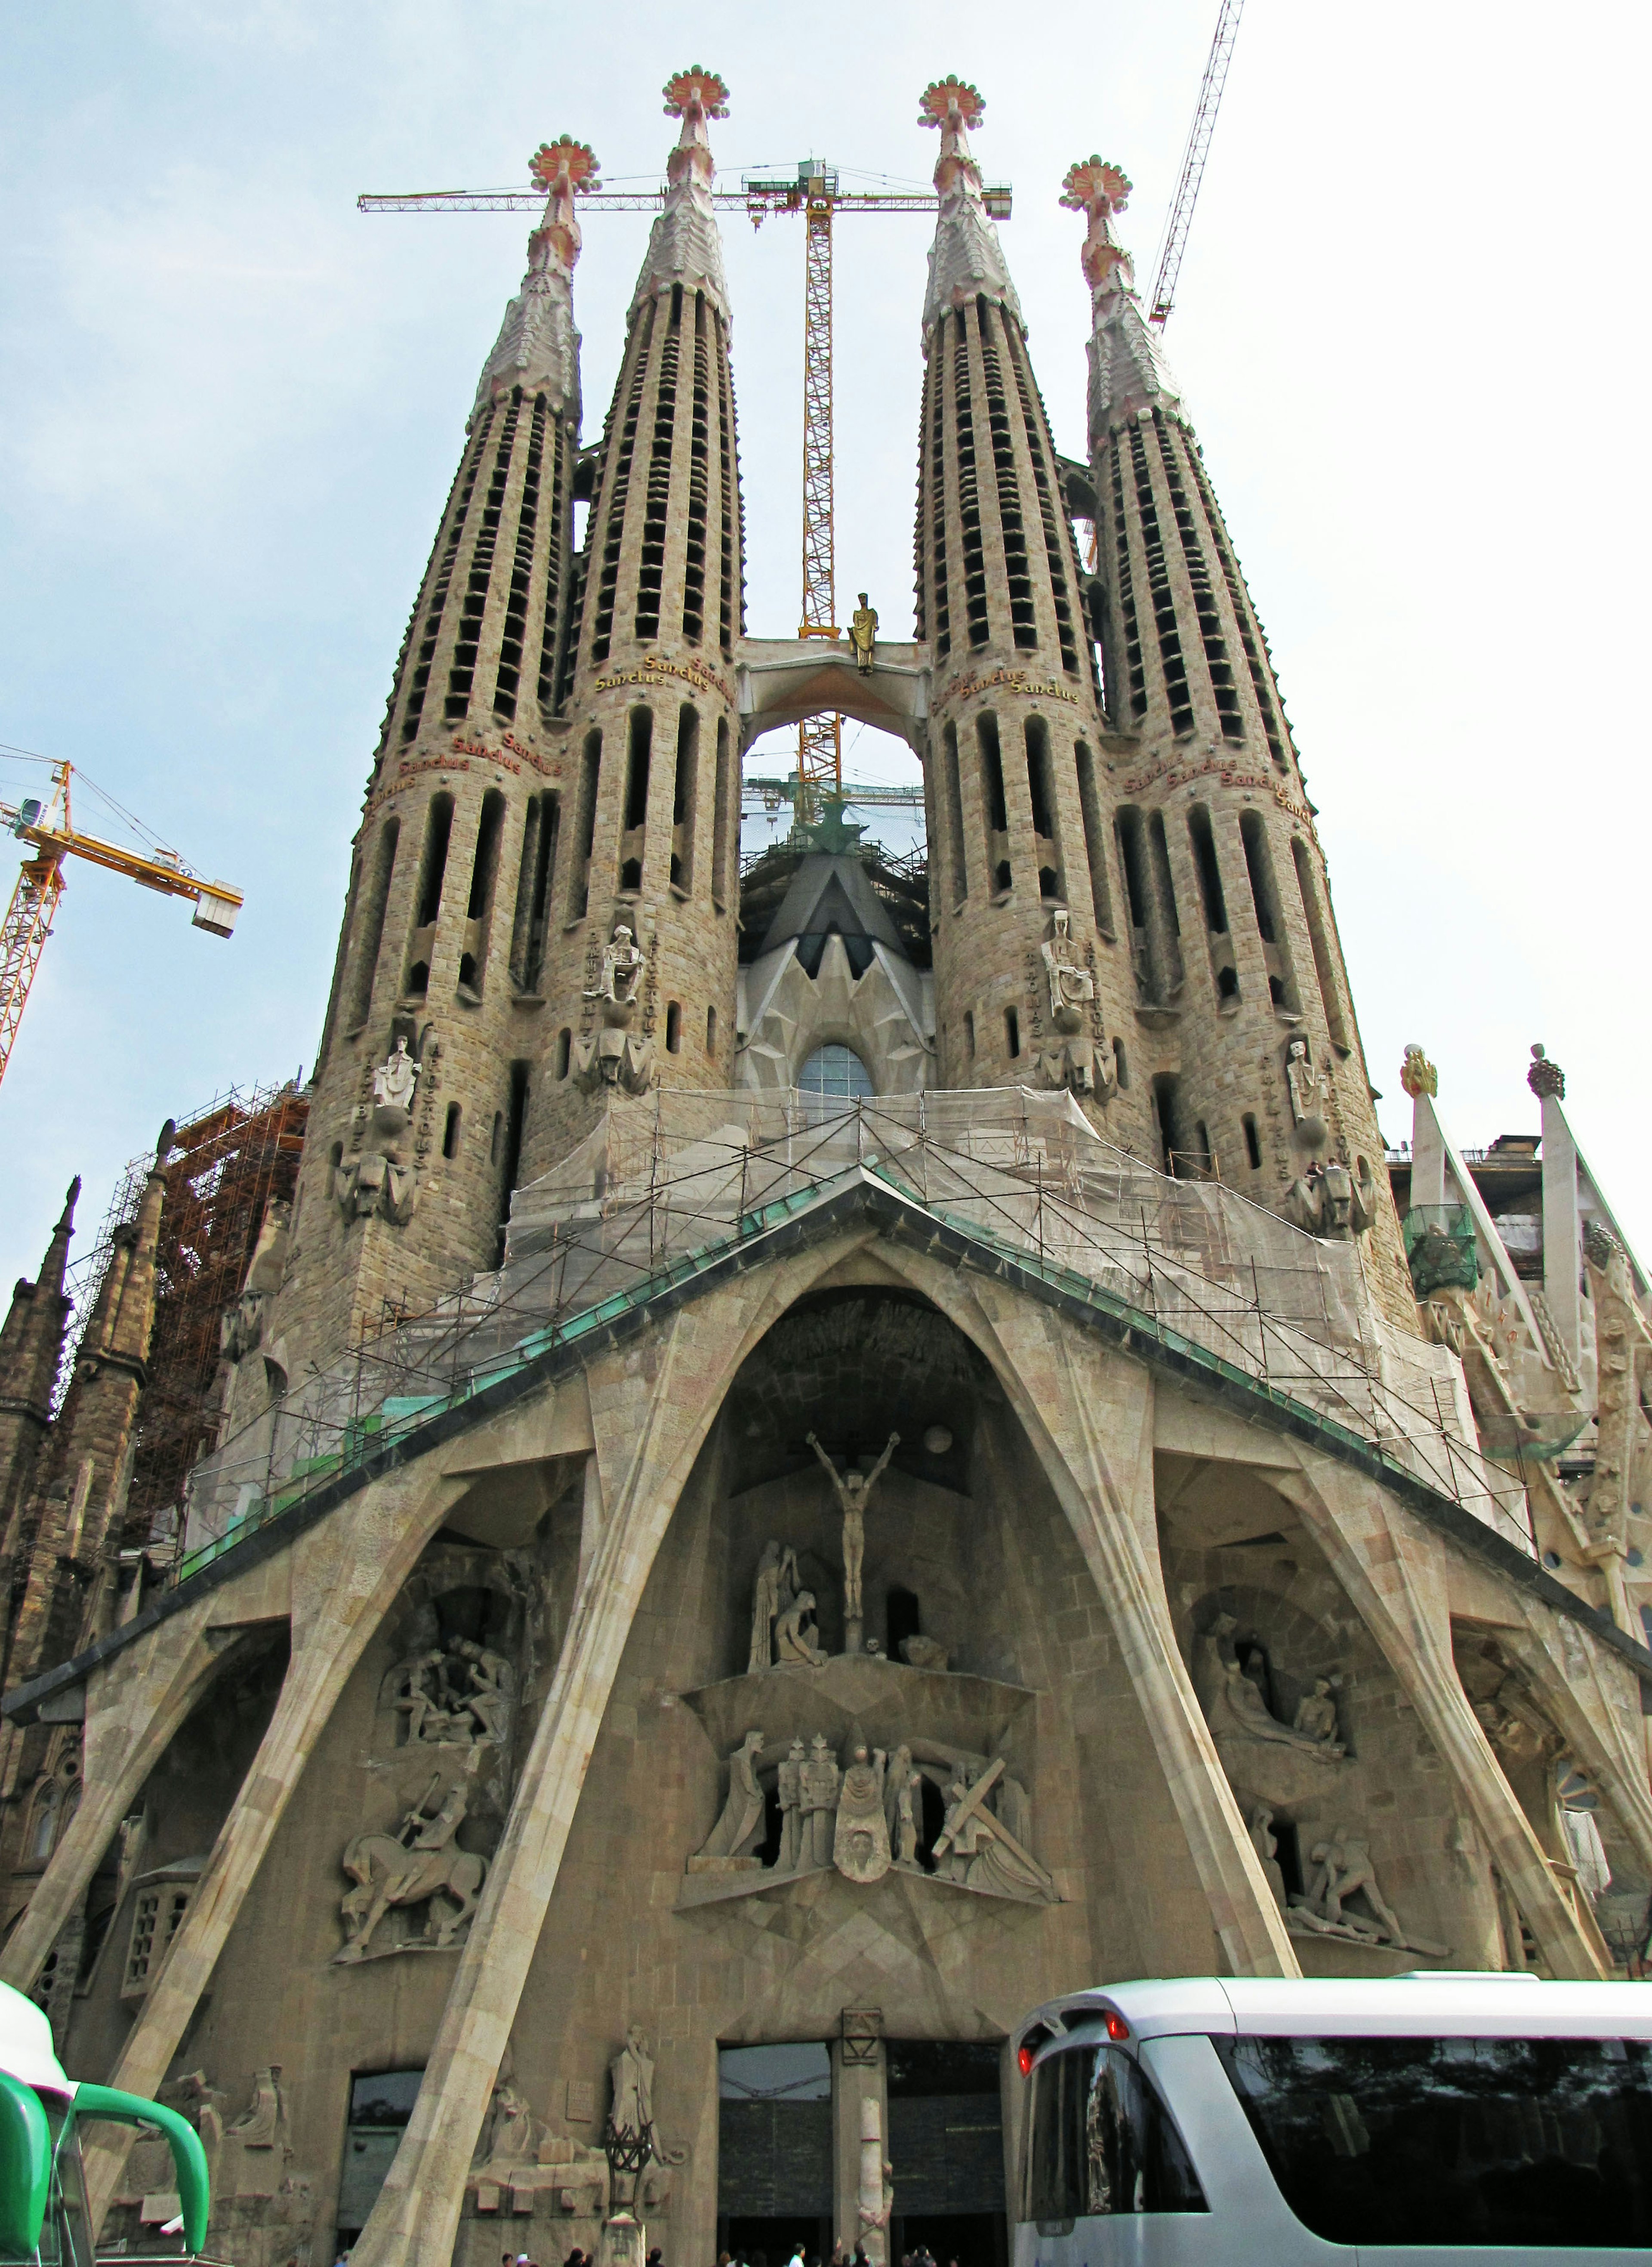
{"x":395,"y":1080}
{"x":1316,"y":1714}
{"x":622,"y":965}
{"x":381,"y":1176}
{"x":263,"y":2125}
{"x":863,"y":634}
{"x":739,"y":1829}
{"x":796,"y":1637}
{"x":861,"y":1845}
{"x":977,"y":1848}
{"x":1342,"y":1869}
{"x":777,"y":1586}
{"x":1306,"y":1091}
{"x":417,"y":1864}
{"x":853,"y":1493}
{"x":493,"y":1689}
{"x":1265,"y":1842}
{"x":820,"y":1782}
{"x":631,"y":2113}
{"x":1248,"y":1713}
{"x":613,"y":1055}
{"x":1070,"y":986}
{"x":789,"y":1789}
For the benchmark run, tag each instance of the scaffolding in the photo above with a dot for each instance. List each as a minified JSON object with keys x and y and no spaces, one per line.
{"x":677,"y":1188}
{"x":228,"y":1160}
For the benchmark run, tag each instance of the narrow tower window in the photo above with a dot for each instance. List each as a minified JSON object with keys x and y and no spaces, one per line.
{"x":1164,"y":603}
{"x":374,"y":902}
{"x":1013,"y":1032}
{"x":722,"y":811}
{"x":1319,"y":938}
{"x":1135,"y":667}
{"x":1040,"y":786}
{"x":970,"y":1034}
{"x":1205,"y":605}
{"x":711,"y":1031}
{"x":1270,"y":927}
{"x":1167,"y":1120}
{"x":1095,"y":838}
{"x":728,"y":429}
{"x":617,"y":470}
{"x":459,"y":506}
{"x":952,"y":797}
{"x":450,"y":1130}
{"x":634,"y":819}
{"x":514,"y":635}
{"x":651,"y":564}
{"x":1249,"y":629}
{"x":1050,"y":512}
{"x":433,"y":866}
{"x":585,"y":827}
{"x":1203,"y":840}
{"x":557,"y":521}
{"x":478,"y":912}
{"x":935,"y":456}
{"x":1253,"y":1146}
{"x":510,"y":1146}
{"x":1018,"y":573}
{"x":685,"y":795}
{"x":564,"y":1048}
{"x":968,"y":488}
{"x":699,"y":459}
{"x":674,"y":1027}
{"x":993,"y":804}
{"x":463,"y":672}
{"x":533,"y":890}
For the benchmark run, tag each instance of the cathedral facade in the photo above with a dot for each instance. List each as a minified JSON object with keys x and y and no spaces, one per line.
{"x":816,"y":1460}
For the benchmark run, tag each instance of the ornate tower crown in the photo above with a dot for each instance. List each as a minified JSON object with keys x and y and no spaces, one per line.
{"x":966,"y":260}
{"x":1098,"y":188}
{"x":684,"y":247}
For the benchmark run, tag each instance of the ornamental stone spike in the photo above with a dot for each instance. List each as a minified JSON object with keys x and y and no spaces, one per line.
{"x":685,"y":246}
{"x":537,"y":347}
{"x":966,"y":260}
{"x":1128,"y":369}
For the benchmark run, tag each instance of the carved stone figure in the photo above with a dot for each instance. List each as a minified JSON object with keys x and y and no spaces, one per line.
{"x":795,"y":1635}
{"x":613,"y":1056}
{"x":630,"y":2076}
{"x":416,"y":1865}
{"x":907,"y":1800}
{"x":863,"y":634}
{"x":1266,"y":1844}
{"x":739,"y":1830}
{"x":394,"y":1081}
{"x":790,"y":1790}
{"x":1247,"y":1713}
{"x":1070,"y":987}
{"x":1316,"y":1713}
{"x":1342,"y":1869}
{"x":1307,"y":1089}
{"x":860,"y":1846}
{"x":899,"y":1772}
{"x":978,"y":1849}
{"x":264,"y":2123}
{"x":455,"y":1695}
{"x":821,"y":1777}
{"x":777,"y":1586}
{"x":924,"y":1653}
{"x":493,"y":1683}
{"x":623,"y":964}
{"x":1326,"y":1201}
{"x":381,"y":1176}
{"x":853,"y":1492}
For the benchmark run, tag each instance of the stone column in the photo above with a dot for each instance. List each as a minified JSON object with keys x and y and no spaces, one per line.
{"x":859,"y":2093}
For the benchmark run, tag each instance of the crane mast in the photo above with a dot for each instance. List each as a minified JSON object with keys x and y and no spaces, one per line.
{"x":1175,"y":237}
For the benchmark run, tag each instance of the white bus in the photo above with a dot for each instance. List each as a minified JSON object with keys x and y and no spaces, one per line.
{"x":43,"y":2216}
{"x":1461,"y":2118}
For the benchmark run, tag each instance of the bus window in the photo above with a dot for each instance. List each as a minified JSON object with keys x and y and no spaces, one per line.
{"x":1544,"y":2142}
{"x":1099,"y":2142}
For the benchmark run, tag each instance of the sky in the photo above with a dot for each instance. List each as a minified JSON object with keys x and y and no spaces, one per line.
{"x":1409,"y":330}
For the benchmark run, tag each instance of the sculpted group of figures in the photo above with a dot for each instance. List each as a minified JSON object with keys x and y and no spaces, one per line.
{"x":457,"y":1695}
{"x":865,"y":1815}
{"x":783,"y":1624}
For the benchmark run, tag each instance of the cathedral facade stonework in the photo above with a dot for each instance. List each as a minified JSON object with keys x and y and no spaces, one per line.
{"x":819,"y":1465}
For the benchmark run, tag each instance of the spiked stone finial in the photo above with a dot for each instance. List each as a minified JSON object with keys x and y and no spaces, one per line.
{"x":694,"y":89}
{"x":966,"y":260}
{"x":1098,"y":188}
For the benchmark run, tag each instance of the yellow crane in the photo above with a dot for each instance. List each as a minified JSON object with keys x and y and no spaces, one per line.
{"x":47,"y":826}
{"x":816,"y":193}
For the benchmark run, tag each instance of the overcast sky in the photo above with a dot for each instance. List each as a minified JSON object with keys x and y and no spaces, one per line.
{"x":1410,"y":330}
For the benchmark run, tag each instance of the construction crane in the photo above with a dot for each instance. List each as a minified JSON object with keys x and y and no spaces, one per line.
{"x":771,"y":793}
{"x":815,"y":192}
{"x":1175,"y":237}
{"x":48,"y":828}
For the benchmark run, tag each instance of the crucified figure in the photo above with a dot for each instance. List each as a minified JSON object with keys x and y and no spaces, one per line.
{"x":852,"y":1491}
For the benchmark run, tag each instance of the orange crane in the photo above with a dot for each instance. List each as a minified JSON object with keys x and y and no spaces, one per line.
{"x":48,"y":828}
{"x":1198,"y":148}
{"x":817,"y":194}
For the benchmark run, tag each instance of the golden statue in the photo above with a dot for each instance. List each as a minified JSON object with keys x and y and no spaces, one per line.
{"x":863,"y":634}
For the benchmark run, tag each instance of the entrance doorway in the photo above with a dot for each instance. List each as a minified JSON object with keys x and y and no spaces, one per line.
{"x":774,"y":2152}
{"x":946,"y":2144}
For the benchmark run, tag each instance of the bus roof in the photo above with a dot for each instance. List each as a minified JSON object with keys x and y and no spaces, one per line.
{"x":26,"y":2043}
{"x":1431,"y":2003}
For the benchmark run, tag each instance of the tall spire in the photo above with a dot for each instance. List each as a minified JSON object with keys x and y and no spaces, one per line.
{"x":966,"y":260}
{"x":685,"y":244}
{"x":1128,"y":371}
{"x":537,"y":347}
{"x":31,"y":1354}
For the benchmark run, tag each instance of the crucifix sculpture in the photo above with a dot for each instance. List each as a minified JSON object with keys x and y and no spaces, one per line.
{"x":853,"y":1489}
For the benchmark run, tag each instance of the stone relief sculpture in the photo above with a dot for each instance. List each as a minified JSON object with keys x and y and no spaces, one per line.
{"x":1070,"y":989}
{"x":459,"y":1694}
{"x":777,"y":1586}
{"x":264,"y":2123}
{"x":864,"y":1816}
{"x":1342,"y":1869}
{"x":417,"y":1864}
{"x":854,"y":1491}
{"x":381,"y":1177}
{"x":614,"y":1055}
{"x":631,"y":2112}
{"x":1265,"y":1760}
{"x":796,"y":1637}
{"x":863,"y":634}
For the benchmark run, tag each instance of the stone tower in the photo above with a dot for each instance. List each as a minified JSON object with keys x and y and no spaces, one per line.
{"x":1017,"y":795}
{"x":435,"y":1021}
{"x":31,"y":1354}
{"x":652,"y":839}
{"x":1248,"y":1044}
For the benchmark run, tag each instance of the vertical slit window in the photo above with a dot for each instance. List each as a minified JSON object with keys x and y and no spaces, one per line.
{"x":467,"y":642}
{"x":1122,"y":1066}
{"x":1270,"y":926}
{"x":1205,"y":605}
{"x":1167,"y":1119}
{"x":1135,"y":667}
{"x":935,"y":382}
{"x":618,"y":487}
{"x":968,"y":488}
{"x":952,"y":797}
{"x":634,"y":817}
{"x":558,"y":531}
{"x":920,"y":525}
{"x":1155,"y":949}
{"x":1013,"y":1032}
{"x":508,"y":1144}
{"x":970,"y":1034}
{"x":564,"y":1048}
{"x":433,"y":866}
{"x":993,"y":809}
{"x":533,"y":890}
{"x":685,"y":796}
{"x":1323,"y":953}
{"x":478,"y":912}
{"x":657,"y":495}
{"x":699,"y":475}
{"x":711,"y":1031}
{"x":585,"y":830}
{"x":1160,"y":595}
{"x":426,"y":657}
{"x":374,"y":900}
{"x":1095,"y":837}
{"x":1203,"y":837}
{"x":450,"y":1130}
{"x":728,"y":620}
{"x":1040,"y":786}
{"x":674,"y":1027}
{"x":1249,"y":629}
{"x":1253,"y":1146}
{"x":1011,"y":527}
{"x":1036,"y":424}
{"x":513,"y":637}
{"x":722,"y":813}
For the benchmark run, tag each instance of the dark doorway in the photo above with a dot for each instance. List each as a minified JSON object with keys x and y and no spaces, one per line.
{"x":774,"y":2152}
{"x":381,"y":2103}
{"x":946,"y":2143}
{"x":901,"y":1618}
